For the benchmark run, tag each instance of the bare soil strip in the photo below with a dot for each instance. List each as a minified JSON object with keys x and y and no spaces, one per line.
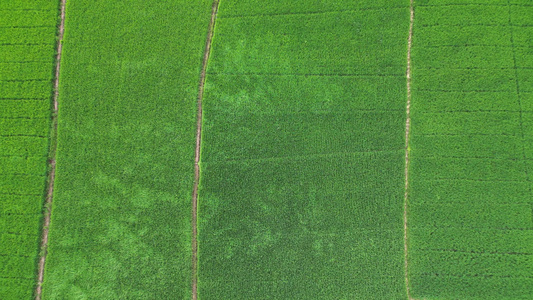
{"x":52,"y":157}
{"x":407,"y":129}
{"x":197,"y":151}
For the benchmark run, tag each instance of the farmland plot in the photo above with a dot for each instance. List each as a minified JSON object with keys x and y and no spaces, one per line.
{"x":27,"y":43}
{"x":121,"y":219}
{"x":301,"y":193}
{"x":470,"y":204}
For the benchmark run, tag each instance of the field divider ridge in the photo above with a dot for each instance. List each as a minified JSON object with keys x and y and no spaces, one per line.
{"x":407,"y":132}
{"x":47,"y":210}
{"x":199,"y":119}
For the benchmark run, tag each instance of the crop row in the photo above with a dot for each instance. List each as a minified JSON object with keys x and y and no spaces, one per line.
{"x":251,"y":8}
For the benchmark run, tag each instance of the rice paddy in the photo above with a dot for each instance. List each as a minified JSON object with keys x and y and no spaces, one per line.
{"x":267,"y":150}
{"x":27,"y":44}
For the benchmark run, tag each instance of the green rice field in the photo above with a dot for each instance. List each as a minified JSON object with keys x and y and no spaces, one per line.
{"x":290,"y":149}
{"x":295,"y":203}
{"x":121,"y":214}
{"x":27,"y":43}
{"x":471,"y":202}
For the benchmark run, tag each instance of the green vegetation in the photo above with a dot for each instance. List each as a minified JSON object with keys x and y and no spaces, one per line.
{"x":470,"y":198}
{"x":302,"y":183}
{"x":301,"y":191}
{"x":27,"y":43}
{"x":121,"y":220}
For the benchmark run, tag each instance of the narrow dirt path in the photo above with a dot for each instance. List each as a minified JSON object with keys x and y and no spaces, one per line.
{"x":407,"y":131}
{"x":52,"y":157}
{"x":197,"y":151}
